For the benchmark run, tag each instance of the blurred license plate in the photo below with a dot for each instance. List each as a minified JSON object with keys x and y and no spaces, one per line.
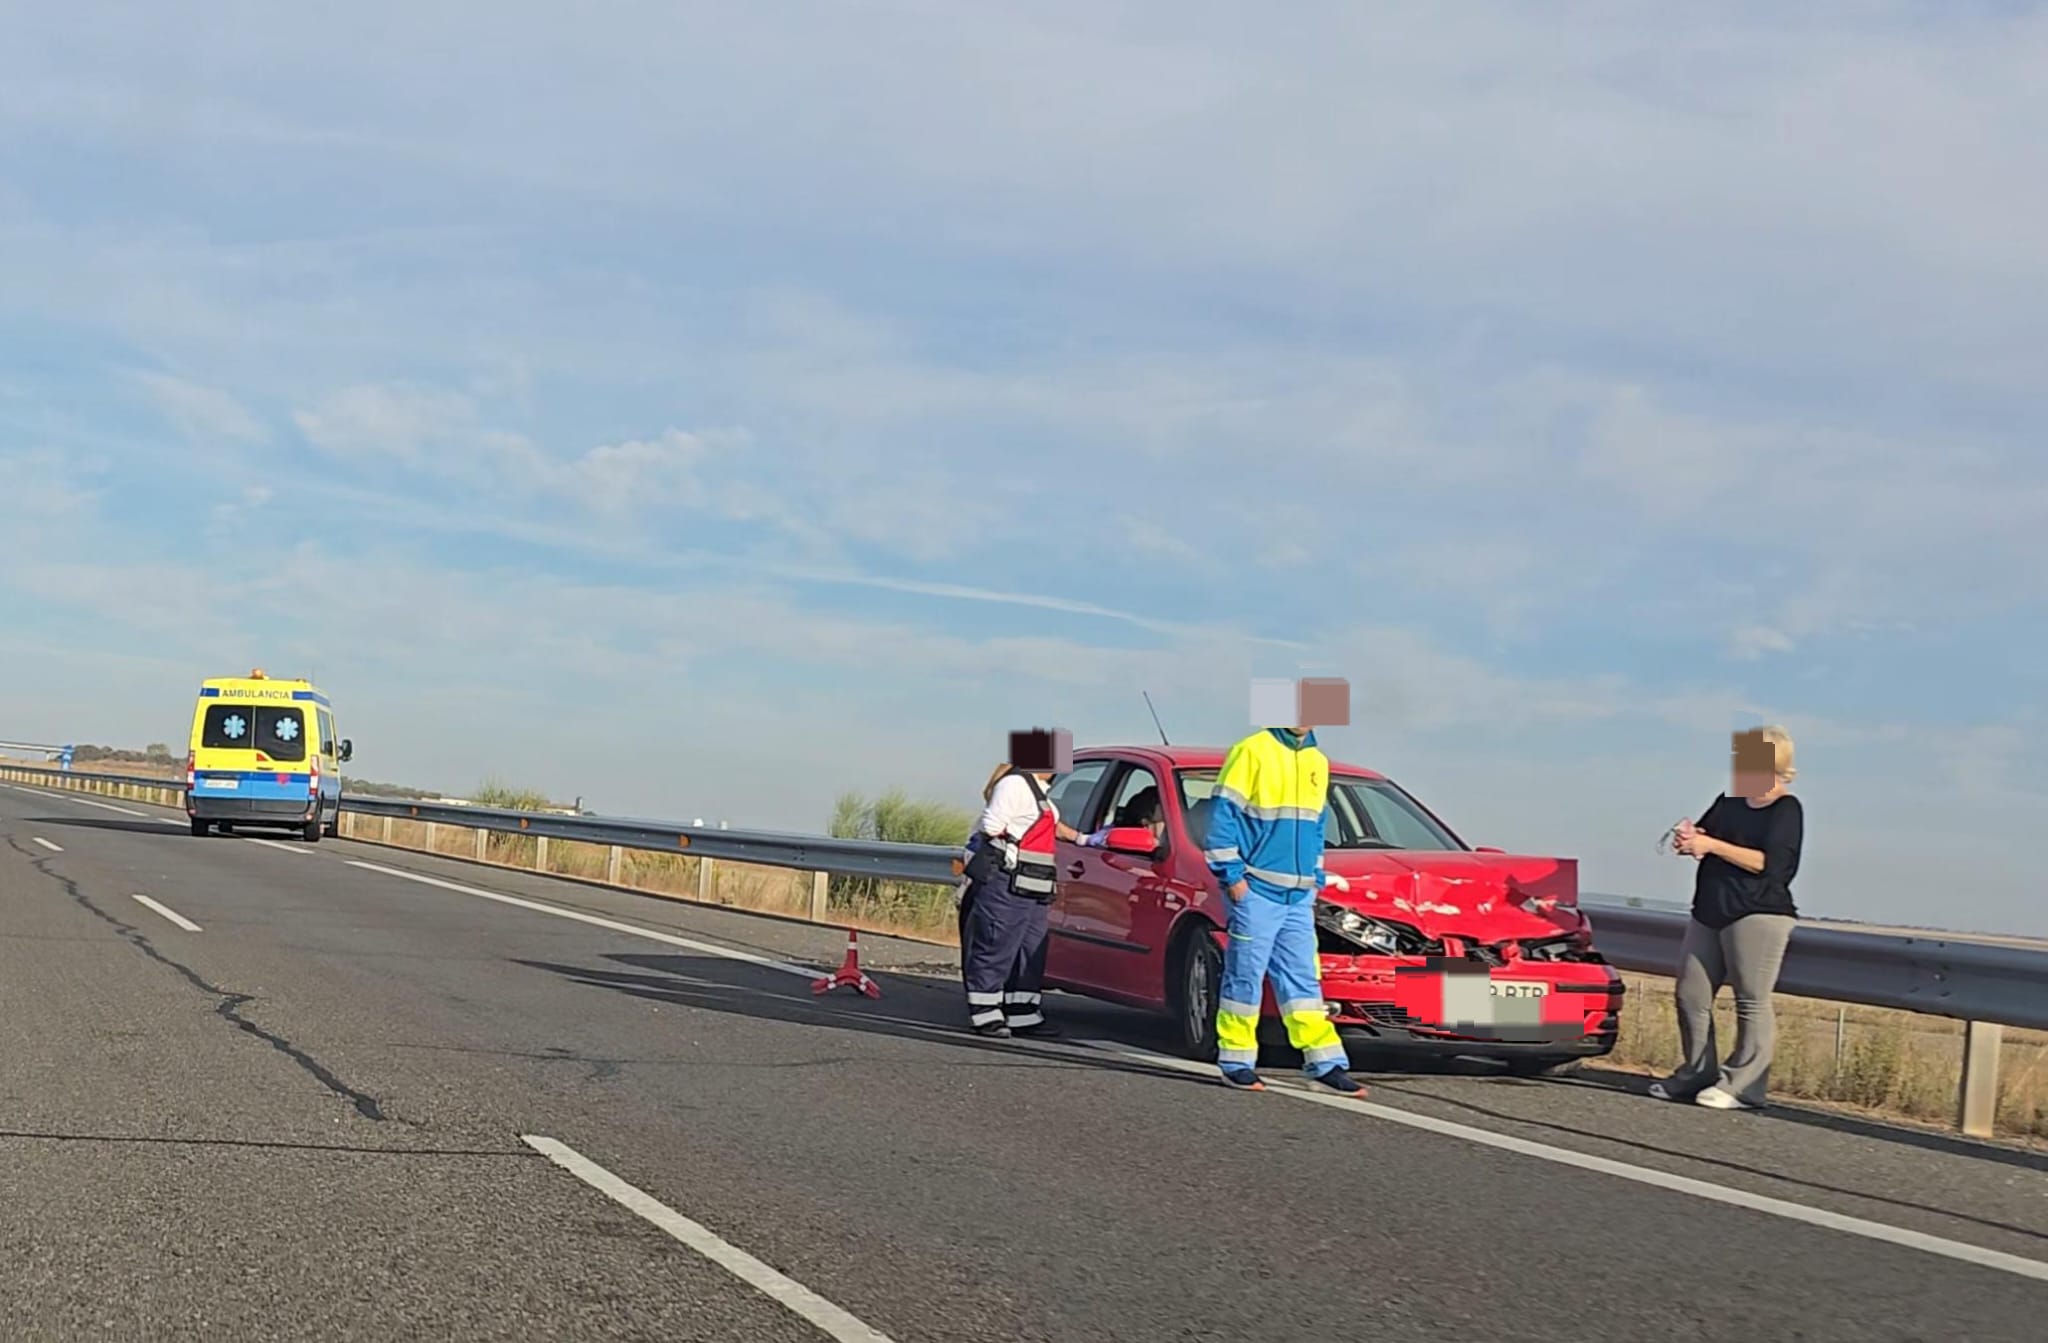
{"x":1519,"y":988}
{"x":224,"y":783}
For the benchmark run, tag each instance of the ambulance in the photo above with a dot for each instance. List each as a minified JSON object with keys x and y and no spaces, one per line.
{"x":264,"y":755}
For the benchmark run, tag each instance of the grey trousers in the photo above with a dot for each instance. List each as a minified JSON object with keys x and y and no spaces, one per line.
{"x":1745,"y":955}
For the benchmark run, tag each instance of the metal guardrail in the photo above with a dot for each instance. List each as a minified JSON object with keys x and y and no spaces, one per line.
{"x":1985,"y":985}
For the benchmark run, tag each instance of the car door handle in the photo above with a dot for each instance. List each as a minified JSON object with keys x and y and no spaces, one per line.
{"x":1075,"y":869}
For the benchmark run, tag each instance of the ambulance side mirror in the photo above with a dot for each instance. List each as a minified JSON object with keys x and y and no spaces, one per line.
{"x":348,"y":750}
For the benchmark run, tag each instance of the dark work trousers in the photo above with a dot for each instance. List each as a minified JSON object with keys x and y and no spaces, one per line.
{"x":1003,"y":960}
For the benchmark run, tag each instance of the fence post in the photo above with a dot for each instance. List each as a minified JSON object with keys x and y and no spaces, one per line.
{"x":540,"y":853}
{"x":387,"y":829}
{"x":820,"y":885}
{"x":704,"y":880}
{"x":433,"y":833}
{"x":1977,"y":1104}
{"x":613,"y":864}
{"x":483,"y":844}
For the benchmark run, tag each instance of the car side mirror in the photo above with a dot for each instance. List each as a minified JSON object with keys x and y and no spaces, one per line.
{"x":348,"y":750}
{"x":1137,"y":840}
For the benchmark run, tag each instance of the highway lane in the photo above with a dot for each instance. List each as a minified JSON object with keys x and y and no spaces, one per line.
{"x":934,"y":1185}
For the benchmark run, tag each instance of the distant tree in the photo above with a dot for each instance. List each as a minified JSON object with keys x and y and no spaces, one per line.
{"x":158,"y":753}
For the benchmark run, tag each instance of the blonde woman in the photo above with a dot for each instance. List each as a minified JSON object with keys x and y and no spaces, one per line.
{"x":1747,"y":846}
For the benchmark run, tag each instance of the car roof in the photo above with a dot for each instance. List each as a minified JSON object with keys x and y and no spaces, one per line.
{"x":1198,"y":757}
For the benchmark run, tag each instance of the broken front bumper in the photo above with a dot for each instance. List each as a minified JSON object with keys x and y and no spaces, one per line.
{"x":1462,"y":1005}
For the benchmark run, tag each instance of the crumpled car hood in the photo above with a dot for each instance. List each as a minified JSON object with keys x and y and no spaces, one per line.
{"x":1484,"y":897}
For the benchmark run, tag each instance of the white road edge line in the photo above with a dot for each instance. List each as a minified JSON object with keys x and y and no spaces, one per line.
{"x":173,"y":915}
{"x":273,"y":844}
{"x":786,"y":1292}
{"x":709,"y":948}
{"x":1776,"y":1207}
{"x":83,"y":801}
{"x":46,"y":843}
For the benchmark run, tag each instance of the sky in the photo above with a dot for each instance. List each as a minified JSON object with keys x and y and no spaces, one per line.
{"x":707,"y":409}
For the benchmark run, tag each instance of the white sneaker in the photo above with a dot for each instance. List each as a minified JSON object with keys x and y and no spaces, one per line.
{"x":1716,"y":1099}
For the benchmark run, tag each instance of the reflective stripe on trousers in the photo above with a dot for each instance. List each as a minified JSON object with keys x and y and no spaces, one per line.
{"x":1269,"y":939}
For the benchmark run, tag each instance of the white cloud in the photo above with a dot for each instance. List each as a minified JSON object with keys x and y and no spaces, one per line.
{"x":415,"y":425}
{"x":203,"y":414}
{"x":1750,"y":642}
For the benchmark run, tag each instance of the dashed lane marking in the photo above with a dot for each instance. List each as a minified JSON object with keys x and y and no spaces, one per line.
{"x":173,"y":915}
{"x":833,"y":1321}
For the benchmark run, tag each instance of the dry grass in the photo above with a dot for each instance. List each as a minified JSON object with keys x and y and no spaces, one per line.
{"x":1891,"y":1063}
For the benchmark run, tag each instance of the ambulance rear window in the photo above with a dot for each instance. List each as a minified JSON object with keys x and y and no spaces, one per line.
{"x":278,"y":733}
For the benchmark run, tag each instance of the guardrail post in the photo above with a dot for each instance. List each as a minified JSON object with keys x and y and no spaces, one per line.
{"x":387,"y":829}
{"x":483,"y":844}
{"x":614,"y":865}
{"x":704,"y":880}
{"x":540,"y":854}
{"x":820,"y":883}
{"x":1977,"y":1103}
{"x":432,"y":830}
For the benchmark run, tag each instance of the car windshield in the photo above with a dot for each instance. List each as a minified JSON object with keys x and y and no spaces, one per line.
{"x":278,"y":733}
{"x":1364,"y":814}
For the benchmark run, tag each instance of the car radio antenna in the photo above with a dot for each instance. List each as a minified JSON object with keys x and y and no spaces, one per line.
{"x":1155,"y":718}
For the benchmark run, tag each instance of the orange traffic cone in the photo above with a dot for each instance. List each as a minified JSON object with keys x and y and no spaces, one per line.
{"x":849,"y":974}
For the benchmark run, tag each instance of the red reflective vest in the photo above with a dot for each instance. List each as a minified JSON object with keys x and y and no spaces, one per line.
{"x":1036,"y":865}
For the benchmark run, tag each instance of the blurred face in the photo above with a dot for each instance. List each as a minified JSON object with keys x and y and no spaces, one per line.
{"x":1754,"y":766}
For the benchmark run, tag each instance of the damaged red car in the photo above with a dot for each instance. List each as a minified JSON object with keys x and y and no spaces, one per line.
{"x":1435,"y":947}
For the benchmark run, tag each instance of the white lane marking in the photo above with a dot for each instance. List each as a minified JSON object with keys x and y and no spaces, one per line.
{"x":173,"y":915}
{"x":1776,"y":1207}
{"x":709,"y":948}
{"x":46,"y":844}
{"x":273,"y":844}
{"x":831,"y":1320}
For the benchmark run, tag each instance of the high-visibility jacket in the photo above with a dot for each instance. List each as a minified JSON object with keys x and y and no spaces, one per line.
{"x":1271,"y":814}
{"x":1031,"y":857}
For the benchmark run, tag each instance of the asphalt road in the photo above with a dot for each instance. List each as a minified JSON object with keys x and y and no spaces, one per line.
{"x":308,"y":1119}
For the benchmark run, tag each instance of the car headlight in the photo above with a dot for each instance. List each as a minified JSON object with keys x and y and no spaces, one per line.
{"x":1359,"y":929}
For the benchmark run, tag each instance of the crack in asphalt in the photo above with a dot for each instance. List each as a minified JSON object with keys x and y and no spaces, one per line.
{"x":230,"y":1006}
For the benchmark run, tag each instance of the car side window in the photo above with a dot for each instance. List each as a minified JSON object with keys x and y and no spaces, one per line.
{"x":1070,"y":792}
{"x":326,"y":733}
{"x":1135,"y":802}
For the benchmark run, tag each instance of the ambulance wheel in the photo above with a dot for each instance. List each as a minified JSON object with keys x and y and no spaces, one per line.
{"x":200,"y":828}
{"x":312,"y":831}
{"x":1540,"y":1066}
{"x":1197,"y":979}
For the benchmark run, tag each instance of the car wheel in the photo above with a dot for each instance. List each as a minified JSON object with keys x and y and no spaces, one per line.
{"x":1197,"y":979}
{"x":1545,"y":1067}
{"x":312,"y":831}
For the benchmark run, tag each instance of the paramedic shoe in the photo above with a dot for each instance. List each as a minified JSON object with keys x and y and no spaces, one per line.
{"x":1341,"y":1082}
{"x":1716,"y":1099}
{"x":1243,"y":1079}
{"x":1663,"y":1091}
{"x":995,"y":1030}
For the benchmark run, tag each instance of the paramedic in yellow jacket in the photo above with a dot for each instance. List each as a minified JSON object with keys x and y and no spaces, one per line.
{"x":1265,"y":839}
